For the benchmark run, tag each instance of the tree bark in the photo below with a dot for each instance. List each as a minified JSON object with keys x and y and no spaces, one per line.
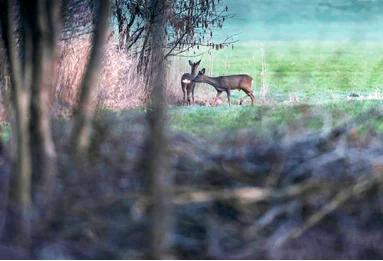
{"x":30,"y":72}
{"x":80,"y":137}
{"x":157,"y":159}
{"x":4,"y":82}
{"x":19,"y":214}
{"x":44,"y":25}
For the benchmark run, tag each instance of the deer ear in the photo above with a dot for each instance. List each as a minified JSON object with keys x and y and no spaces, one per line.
{"x":198,"y":63}
{"x":203,"y":71}
{"x":191,"y":63}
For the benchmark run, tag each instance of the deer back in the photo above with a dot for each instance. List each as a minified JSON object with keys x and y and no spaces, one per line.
{"x":241,"y":81}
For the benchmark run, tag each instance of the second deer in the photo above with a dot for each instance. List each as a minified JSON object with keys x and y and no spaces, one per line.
{"x":226,"y":84}
{"x":187,"y":82}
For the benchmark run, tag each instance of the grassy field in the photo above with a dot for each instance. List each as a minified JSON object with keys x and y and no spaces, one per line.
{"x":310,"y":71}
{"x":321,"y":74}
{"x":271,"y":121}
{"x":309,"y":86}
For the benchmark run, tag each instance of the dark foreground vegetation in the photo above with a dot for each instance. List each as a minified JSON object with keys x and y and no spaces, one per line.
{"x":236,"y":196}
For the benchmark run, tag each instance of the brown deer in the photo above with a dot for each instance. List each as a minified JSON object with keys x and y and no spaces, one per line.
{"x":187,"y":82}
{"x":242,"y":82}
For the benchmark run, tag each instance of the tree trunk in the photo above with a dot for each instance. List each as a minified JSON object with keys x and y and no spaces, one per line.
{"x":80,"y":137}
{"x":44,"y":16}
{"x":157,"y":159}
{"x":31,"y":80}
{"x":4,"y":84}
{"x":19,"y":207}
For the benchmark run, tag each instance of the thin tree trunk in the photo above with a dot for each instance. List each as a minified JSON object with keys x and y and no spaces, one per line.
{"x":44,"y":15}
{"x":158,"y":160}
{"x":4,"y":82}
{"x":80,"y":137}
{"x":19,"y":207}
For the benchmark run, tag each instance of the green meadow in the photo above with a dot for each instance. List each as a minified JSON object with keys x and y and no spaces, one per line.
{"x":312,"y":71}
{"x":306,"y":83}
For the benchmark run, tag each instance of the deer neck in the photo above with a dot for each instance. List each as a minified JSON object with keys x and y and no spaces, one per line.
{"x":211,"y":80}
{"x":194,"y":72}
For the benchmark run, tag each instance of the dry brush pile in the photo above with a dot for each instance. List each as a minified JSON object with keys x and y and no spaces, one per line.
{"x":241,"y":196}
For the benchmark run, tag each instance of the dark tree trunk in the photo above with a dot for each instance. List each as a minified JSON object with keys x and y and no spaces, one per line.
{"x":30,"y":70}
{"x":18,"y":228}
{"x":85,"y":109}
{"x":158,"y":161}
{"x":43,"y":33}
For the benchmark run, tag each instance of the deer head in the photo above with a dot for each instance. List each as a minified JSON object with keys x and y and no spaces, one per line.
{"x":200,"y":76}
{"x":194,"y":66}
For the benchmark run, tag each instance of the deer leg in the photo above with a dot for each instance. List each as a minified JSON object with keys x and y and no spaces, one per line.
{"x":193,"y":93}
{"x":251,"y":95}
{"x":184,"y":91}
{"x":189,"y":92}
{"x":228,"y":97}
{"x":217,"y":96}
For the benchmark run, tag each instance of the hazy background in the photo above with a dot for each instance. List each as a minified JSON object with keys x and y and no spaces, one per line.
{"x":275,"y":20}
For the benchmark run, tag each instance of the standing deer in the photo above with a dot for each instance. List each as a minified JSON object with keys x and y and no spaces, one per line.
{"x":242,"y":82}
{"x":187,"y":82}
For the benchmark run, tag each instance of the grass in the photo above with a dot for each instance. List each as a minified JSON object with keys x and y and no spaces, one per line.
{"x":321,"y":74}
{"x":313,"y":71}
{"x":267,"y":121}
{"x":271,"y":121}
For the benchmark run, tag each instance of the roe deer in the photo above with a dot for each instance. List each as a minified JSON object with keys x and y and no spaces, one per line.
{"x":227,"y":83}
{"x":187,"y":82}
